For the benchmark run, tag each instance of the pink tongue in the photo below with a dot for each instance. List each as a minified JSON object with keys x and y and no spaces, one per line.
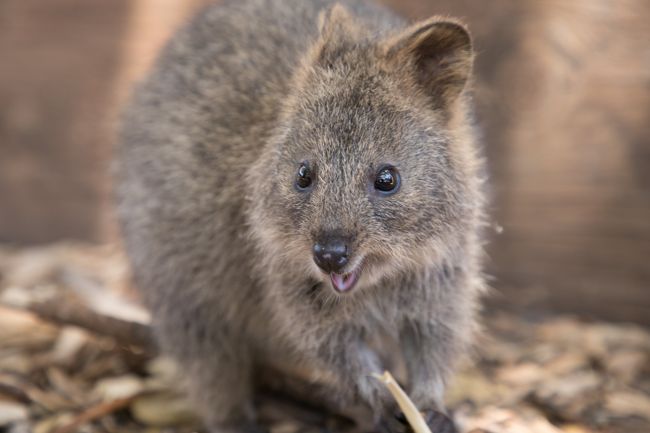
{"x":344,"y":282}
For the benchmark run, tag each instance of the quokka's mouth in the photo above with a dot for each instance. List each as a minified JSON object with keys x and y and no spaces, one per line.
{"x":344,"y":283}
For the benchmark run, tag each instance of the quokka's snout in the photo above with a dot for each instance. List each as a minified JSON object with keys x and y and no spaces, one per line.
{"x":334,"y":254}
{"x":331,"y":253}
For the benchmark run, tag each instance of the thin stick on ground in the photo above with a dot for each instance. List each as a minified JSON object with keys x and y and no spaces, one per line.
{"x":95,"y":412}
{"x":67,"y":309}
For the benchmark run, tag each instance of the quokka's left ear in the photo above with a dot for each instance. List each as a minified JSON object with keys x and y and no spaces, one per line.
{"x":439,"y":55}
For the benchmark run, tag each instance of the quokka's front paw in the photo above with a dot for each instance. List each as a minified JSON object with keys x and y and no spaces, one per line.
{"x":393,"y":424}
{"x":438,"y":422}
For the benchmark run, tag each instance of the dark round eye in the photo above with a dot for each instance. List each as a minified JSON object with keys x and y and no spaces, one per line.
{"x":303,"y":177}
{"x":387,"y":179}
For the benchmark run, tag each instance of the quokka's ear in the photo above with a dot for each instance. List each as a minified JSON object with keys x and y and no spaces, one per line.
{"x":337,"y":28}
{"x":438,"y":53}
{"x":334,"y":21}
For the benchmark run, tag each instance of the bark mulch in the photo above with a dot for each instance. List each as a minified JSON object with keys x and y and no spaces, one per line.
{"x":76,"y":356}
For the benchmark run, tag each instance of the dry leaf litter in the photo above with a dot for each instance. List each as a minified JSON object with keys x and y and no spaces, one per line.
{"x":553,"y":374}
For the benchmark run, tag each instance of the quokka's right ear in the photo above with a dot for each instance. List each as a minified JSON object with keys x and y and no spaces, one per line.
{"x":439,"y":55}
{"x":335,"y":20}
{"x":337,"y":29}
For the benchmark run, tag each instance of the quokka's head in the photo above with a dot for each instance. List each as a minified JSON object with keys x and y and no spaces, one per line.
{"x":371,"y":171}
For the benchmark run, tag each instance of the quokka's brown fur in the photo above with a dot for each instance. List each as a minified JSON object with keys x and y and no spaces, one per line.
{"x":220,"y":239}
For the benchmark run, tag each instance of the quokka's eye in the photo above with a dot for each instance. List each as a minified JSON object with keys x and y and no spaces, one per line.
{"x":303,"y":177}
{"x":387,"y":180}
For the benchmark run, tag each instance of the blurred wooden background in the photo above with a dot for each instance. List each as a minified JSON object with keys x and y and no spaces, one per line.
{"x":563,"y":90}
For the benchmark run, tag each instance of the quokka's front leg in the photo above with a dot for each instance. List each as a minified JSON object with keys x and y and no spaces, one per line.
{"x":347,"y":355}
{"x":430,"y":350}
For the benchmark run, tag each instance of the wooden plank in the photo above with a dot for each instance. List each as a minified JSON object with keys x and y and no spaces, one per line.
{"x":59,"y":58}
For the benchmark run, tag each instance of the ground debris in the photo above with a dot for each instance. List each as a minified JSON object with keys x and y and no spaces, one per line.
{"x":552,"y":375}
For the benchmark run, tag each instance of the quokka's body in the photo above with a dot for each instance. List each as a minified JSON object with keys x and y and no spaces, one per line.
{"x":295,"y":177}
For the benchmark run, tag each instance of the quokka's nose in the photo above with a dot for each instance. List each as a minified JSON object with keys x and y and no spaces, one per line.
{"x":331,"y":254}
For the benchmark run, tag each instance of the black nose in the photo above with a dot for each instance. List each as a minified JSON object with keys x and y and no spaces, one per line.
{"x":331,"y":254}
